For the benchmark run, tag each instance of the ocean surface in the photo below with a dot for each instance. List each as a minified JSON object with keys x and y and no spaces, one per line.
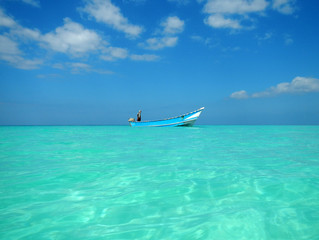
{"x":118,"y":182}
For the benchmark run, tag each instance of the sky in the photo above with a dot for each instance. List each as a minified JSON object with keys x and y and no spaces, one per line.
{"x":97,"y":62}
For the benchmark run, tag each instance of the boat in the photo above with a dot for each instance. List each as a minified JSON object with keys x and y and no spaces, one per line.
{"x":185,"y":120}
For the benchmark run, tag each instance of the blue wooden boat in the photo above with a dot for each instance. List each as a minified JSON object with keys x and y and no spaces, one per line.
{"x":187,"y":119}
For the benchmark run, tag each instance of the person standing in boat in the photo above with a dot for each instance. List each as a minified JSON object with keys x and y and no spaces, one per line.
{"x":139,"y":117}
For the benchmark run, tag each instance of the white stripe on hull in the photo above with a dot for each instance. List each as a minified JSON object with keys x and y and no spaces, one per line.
{"x":183,"y":123}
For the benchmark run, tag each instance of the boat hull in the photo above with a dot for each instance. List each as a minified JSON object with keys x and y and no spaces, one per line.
{"x":186,"y":120}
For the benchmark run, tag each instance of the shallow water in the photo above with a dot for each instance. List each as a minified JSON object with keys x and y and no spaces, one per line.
{"x":118,"y":182}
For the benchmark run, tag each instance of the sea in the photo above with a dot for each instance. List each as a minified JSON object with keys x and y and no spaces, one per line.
{"x":119,"y":182}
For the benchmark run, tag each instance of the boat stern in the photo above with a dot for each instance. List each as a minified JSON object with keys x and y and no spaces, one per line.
{"x":131,"y":120}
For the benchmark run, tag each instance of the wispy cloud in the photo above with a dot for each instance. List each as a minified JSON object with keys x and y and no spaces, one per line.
{"x":284,"y":6}
{"x":236,"y":14}
{"x":106,"y":12}
{"x":204,"y":40}
{"x":170,"y":28}
{"x":80,"y":68}
{"x":288,"y":39}
{"x":242,"y":94}
{"x":234,"y":6}
{"x":9,"y":52}
{"x":264,"y":37}
{"x":180,"y":2}
{"x":6,"y":21}
{"x":221,"y":21}
{"x":9,"y":48}
{"x":229,"y":13}
{"x":144,"y":57}
{"x":297,"y":85}
{"x":33,"y":3}
{"x":114,"y":53}
{"x":160,"y":42}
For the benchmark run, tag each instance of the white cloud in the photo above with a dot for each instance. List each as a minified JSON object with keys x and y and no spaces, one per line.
{"x":284,"y":6}
{"x":159,"y":43}
{"x":27,"y":64}
{"x":239,"y":95}
{"x":33,"y":3}
{"x":58,"y":66}
{"x":114,"y":53}
{"x":264,"y":37}
{"x":235,"y":6}
{"x":6,"y":21}
{"x":144,"y":57}
{"x":16,"y":29}
{"x":79,"y":67}
{"x":9,"y":52}
{"x":297,"y":85}
{"x":136,"y":1}
{"x":180,"y":2}
{"x":72,"y":38}
{"x":219,"y":21}
{"x":8,"y":47}
{"x":104,"y":11}
{"x":26,"y":33}
{"x":172,"y":25}
{"x":230,"y":13}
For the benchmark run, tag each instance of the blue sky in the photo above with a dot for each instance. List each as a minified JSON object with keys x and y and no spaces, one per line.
{"x":100,"y":61}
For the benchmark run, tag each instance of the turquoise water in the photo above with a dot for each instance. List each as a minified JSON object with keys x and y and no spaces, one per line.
{"x":118,"y":182}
